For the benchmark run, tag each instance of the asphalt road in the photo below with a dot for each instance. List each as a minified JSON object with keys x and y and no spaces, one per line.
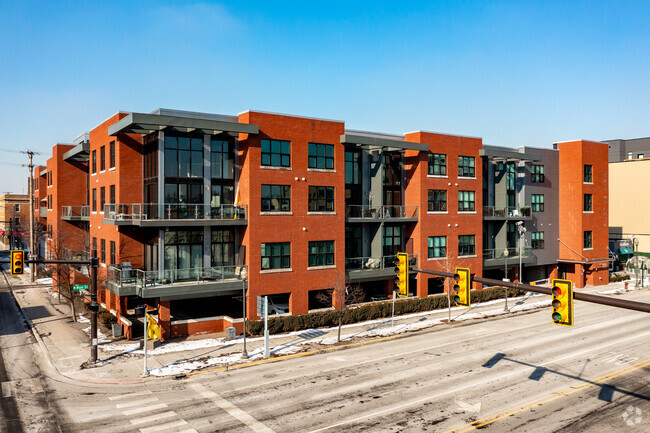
{"x":512,"y":373}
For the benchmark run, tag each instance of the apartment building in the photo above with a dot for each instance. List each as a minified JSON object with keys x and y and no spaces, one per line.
{"x":14,"y":219}
{"x":188,"y":211}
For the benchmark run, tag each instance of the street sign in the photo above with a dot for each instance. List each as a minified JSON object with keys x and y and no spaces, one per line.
{"x":80,"y":287}
{"x":260,"y":306}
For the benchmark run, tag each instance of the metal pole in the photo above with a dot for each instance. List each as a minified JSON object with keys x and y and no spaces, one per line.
{"x":31,"y":212}
{"x":244,"y":353}
{"x":13,"y":226}
{"x":266,"y":327}
{"x":392,"y":320}
{"x":505,"y":253}
{"x":93,"y":305}
{"x":145,"y":372}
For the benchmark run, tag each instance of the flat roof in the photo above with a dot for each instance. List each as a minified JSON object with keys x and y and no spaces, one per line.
{"x":141,"y":123}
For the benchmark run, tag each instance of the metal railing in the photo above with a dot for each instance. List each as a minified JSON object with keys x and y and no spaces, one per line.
{"x":499,"y":253}
{"x":506,"y":211}
{"x":173,"y":211}
{"x":140,"y":278}
{"x":75,"y":212}
{"x":381,"y":212}
{"x":370,"y":263}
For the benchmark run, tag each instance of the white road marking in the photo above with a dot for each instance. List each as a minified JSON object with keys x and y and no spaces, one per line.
{"x":8,"y":389}
{"x":159,"y":427}
{"x":144,"y":409}
{"x":188,"y":431}
{"x":136,"y":403}
{"x":233,"y":410}
{"x":125,"y":396}
{"x":150,"y":418}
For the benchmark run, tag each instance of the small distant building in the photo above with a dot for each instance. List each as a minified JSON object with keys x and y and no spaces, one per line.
{"x":14,"y":219}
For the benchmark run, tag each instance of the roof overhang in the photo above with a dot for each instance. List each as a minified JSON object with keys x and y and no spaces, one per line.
{"x":585,"y":262}
{"x":380,"y":142}
{"x":43,"y":172}
{"x":79,"y":153}
{"x":140,"y":123}
{"x":502,"y":155}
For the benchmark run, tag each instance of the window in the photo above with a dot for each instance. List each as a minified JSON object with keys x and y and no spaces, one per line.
{"x":94,"y":161}
{"x":112,"y":194}
{"x":321,"y":199}
{"x":466,"y":202}
{"x":102,"y":198}
{"x":112,"y":253}
{"x":392,"y":240}
{"x":588,"y":174}
{"x":640,"y":156}
{"x":537,"y":173}
{"x":437,"y":200}
{"x":587,"y":239}
{"x":437,"y":164}
{"x":102,"y":256}
{"x":352,"y":168}
{"x":466,"y":245}
{"x":94,"y":199}
{"x":276,"y":198}
{"x":111,"y":151}
{"x":17,"y":207}
{"x":276,"y":153}
{"x":321,"y":253}
{"x":183,"y":156}
{"x":222,"y":159}
{"x":223,"y":247}
{"x":184,"y":252}
{"x":587,"y":203}
{"x":537,"y":240}
{"x":102,"y":158}
{"x":437,"y":246}
{"x":49,"y":202}
{"x":466,"y":166}
{"x":537,"y":202}
{"x":321,"y":156}
{"x":276,"y":255}
{"x":629,"y":155}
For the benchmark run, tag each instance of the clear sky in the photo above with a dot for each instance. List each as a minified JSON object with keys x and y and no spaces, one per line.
{"x":515,"y":73}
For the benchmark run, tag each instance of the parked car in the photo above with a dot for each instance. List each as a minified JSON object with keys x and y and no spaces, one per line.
{"x":276,"y":306}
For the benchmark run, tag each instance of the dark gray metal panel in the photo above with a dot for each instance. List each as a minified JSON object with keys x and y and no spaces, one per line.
{"x":79,"y":153}
{"x":126,"y":290}
{"x":143,"y":123}
{"x":371,"y":275}
{"x":494,"y":152}
{"x":382,"y":142}
{"x":618,"y":149}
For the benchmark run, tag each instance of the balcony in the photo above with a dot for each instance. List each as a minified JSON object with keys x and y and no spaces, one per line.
{"x":176,"y":283}
{"x":366,"y":213}
{"x":75,"y":213}
{"x":373,"y":268}
{"x":496,"y":257}
{"x":504,"y":213}
{"x":160,"y":215}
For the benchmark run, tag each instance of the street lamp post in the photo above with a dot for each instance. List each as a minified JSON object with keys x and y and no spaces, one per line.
{"x":506,"y":253}
{"x":522,"y":230}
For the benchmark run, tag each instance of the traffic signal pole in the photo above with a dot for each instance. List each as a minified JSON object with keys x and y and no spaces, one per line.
{"x":580,"y":296}
{"x":94,"y":307}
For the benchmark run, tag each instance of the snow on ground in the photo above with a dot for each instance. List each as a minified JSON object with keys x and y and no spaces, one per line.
{"x":44,"y":281}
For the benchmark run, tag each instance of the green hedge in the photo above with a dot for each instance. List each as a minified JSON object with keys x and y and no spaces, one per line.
{"x":363,"y":312}
{"x":616,"y":278}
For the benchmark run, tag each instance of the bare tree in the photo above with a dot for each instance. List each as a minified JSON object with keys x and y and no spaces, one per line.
{"x":341,"y":296}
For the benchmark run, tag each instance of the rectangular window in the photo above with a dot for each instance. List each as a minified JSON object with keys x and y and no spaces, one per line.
{"x":222,"y":159}
{"x":276,"y":198}
{"x":112,"y":253}
{"x":352,"y":168}
{"x":437,"y":246}
{"x":588,"y":174}
{"x":111,"y":163}
{"x":537,"y":202}
{"x":49,"y":202}
{"x":640,"y":156}
{"x":223,"y":247}
{"x":102,"y":198}
{"x":321,"y":199}
{"x":537,"y":173}
{"x":587,"y":203}
{"x":276,"y":153}
{"x":321,"y":253}
{"x":276,"y":255}
{"x":94,"y":199}
{"x":466,"y":201}
{"x":102,"y":248}
{"x":587,"y":239}
{"x":17,"y":207}
{"x":437,"y":200}
{"x":629,"y":155}
{"x":94,"y":161}
{"x":49,"y":178}
{"x":466,"y":245}
{"x":102,"y":158}
{"x":437,"y":164}
{"x":537,"y":240}
{"x":466,"y":166}
{"x":112,"y":194}
{"x":321,"y":156}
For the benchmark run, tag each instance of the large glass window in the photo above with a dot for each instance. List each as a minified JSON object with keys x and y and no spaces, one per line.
{"x":537,"y":202}
{"x":321,"y":156}
{"x":223,"y":247}
{"x":437,"y":200}
{"x":183,"y":156}
{"x":321,"y":253}
{"x":183,"y":253}
{"x":466,"y":166}
{"x":222,"y":159}
{"x":352,"y":168}
{"x":537,"y":239}
{"x":276,"y":198}
{"x":276,"y":255}
{"x":537,"y":173}
{"x":466,"y":201}
{"x":437,"y":164}
{"x":392,"y":240}
{"x":321,"y":199}
{"x":466,"y":245}
{"x":587,"y":207}
{"x":276,"y":153}
{"x":437,"y":246}
{"x":588,"y":176}
{"x":588,"y":239}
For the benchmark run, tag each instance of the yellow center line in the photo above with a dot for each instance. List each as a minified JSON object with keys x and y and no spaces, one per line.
{"x":547,"y":398}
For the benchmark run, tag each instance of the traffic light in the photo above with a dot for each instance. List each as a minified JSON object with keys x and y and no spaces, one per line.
{"x":562,"y":292}
{"x":402,"y":275}
{"x":462,"y":287}
{"x":17,"y":262}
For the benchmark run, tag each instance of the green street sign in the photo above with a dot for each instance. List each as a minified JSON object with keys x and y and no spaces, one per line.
{"x":80,"y":287}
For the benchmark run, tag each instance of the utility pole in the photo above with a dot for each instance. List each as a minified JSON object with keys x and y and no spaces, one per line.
{"x":32,"y":266}
{"x":94,"y":307}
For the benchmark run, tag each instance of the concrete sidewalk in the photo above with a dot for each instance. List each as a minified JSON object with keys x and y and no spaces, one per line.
{"x":66,"y":343}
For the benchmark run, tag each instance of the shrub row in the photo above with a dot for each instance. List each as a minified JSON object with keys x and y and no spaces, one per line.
{"x":617,"y":278}
{"x":363,"y":312}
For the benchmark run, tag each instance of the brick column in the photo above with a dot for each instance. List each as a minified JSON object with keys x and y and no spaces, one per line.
{"x":164,"y":319}
{"x":299,"y":302}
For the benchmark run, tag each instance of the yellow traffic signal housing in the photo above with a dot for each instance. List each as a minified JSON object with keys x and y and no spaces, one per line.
{"x":462,"y":286}
{"x":402,"y":275}
{"x":562,"y":303}
{"x":17,"y":262}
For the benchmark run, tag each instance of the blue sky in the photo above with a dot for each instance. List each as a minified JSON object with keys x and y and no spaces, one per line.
{"x":515,"y":73}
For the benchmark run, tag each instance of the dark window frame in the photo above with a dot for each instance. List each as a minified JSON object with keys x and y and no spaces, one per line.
{"x":102,"y":248}
{"x":587,"y":203}
{"x":94,"y":161}
{"x":321,"y":199}
{"x":466,"y":201}
{"x":112,"y":253}
{"x":437,"y":200}
{"x":465,"y":247}
{"x":537,"y":173}
{"x":102,"y":199}
{"x":437,"y":164}
{"x":588,"y":173}
{"x":283,"y":259}
{"x":587,"y":239}
{"x":111,"y":162}
{"x":280,"y":193}
{"x":466,"y":166}
{"x":102,"y":159}
{"x":537,"y":202}
{"x":269,"y":153}
{"x":94,"y":208}
{"x":439,"y":251}
{"x":320,"y":156}
{"x":320,"y":253}
{"x":537,"y":240}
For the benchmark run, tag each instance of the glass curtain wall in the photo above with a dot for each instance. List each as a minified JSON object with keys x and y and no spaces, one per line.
{"x":222,"y":173}
{"x":183,"y":177}
{"x":183,"y":254}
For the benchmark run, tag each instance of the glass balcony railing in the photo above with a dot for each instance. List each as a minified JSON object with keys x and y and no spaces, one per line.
{"x":75,"y":212}
{"x":370,"y":263}
{"x":140,"y":278}
{"x":173,"y":211}
{"x":499,"y":254}
{"x":506,"y":212}
{"x":381,"y":212}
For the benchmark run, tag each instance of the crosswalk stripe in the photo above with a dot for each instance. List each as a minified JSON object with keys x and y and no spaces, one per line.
{"x":144,"y":409}
{"x":126,"y":396}
{"x":151,"y":418}
{"x":8,"y":389}
{"x":136,"y":403}
{"x":159,"y":427}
